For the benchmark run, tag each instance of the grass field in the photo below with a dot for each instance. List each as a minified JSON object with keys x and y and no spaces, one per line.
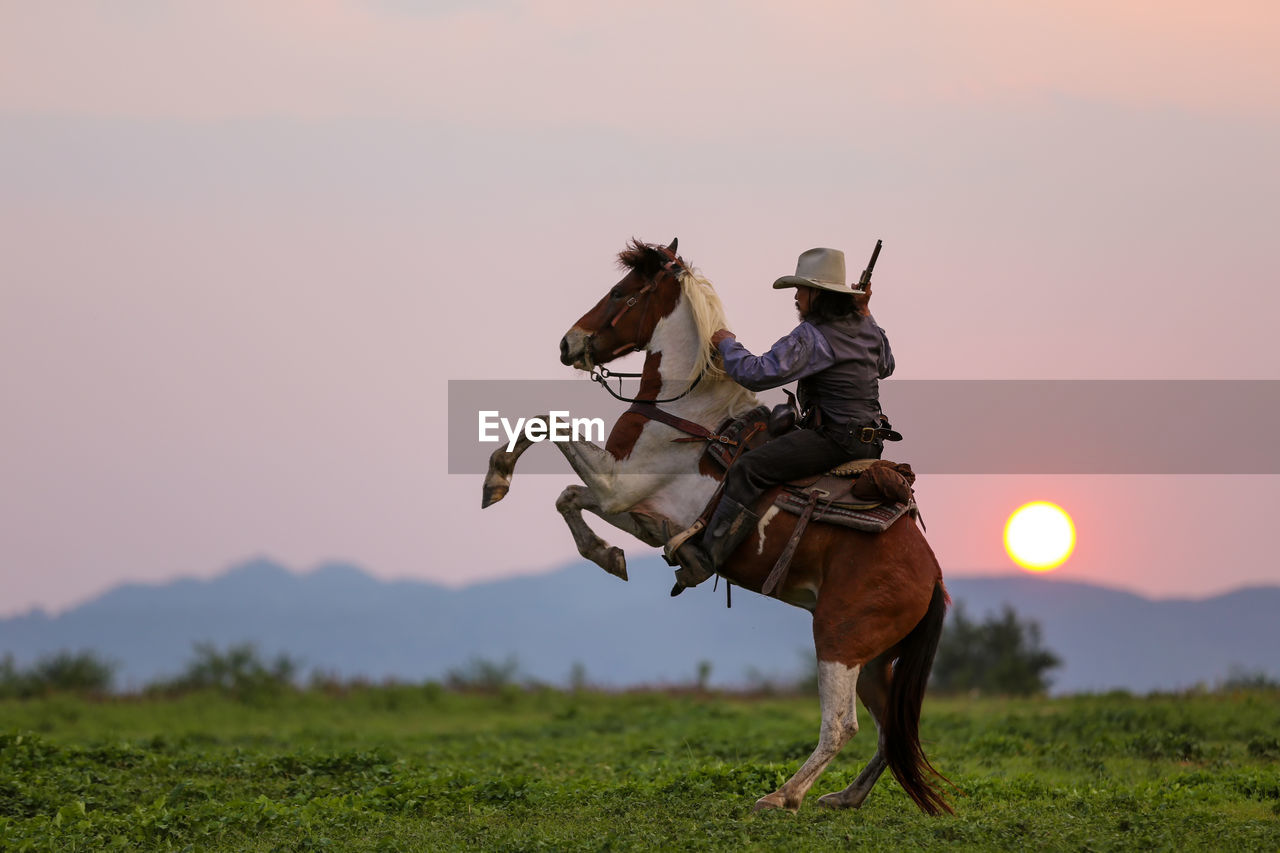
{"x":420,"y":768}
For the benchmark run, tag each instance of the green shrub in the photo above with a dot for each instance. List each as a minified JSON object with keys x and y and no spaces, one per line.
{"x":61,"y":672}
{"x":484,"y":675}
{"x":1001,"y":655}
{"x":239,"y":672}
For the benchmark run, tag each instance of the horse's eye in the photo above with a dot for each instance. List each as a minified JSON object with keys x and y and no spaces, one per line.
{"x":616,"y":293}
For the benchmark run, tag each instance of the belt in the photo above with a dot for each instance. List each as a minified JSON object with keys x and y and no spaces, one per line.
{"x":868,"y":434}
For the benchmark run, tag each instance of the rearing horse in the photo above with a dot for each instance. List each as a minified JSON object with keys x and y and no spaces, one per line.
{"x":877,"y":599}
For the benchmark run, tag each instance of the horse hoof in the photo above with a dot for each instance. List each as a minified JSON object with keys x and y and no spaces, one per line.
{"x":772,"y":801}
{"x":492,"y":494}
{"x":833,"y":801}
{"x":616,"y":563}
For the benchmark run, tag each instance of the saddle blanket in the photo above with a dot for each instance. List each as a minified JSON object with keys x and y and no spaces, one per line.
{"x":873,"y":518}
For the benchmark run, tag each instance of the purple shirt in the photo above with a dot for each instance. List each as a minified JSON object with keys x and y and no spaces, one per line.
{"x":840,"y":362}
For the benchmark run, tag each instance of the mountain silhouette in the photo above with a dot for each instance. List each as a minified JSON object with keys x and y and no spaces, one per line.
{"x":339,"y":620}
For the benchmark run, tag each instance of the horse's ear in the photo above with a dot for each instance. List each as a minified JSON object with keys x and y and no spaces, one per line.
{"x":675,"y":241}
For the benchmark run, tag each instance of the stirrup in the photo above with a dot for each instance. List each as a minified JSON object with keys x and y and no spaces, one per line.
{"x":669,"y":550}
{"x":693,"y":564}
{"x":681,"y":586}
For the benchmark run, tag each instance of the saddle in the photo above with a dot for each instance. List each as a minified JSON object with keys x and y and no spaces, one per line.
{"x":865,"y":494}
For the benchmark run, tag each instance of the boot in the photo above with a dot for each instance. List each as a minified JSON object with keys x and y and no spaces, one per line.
{"x":701,"y":555}
{"x":694,"y":562}
{"x":729,"y":526}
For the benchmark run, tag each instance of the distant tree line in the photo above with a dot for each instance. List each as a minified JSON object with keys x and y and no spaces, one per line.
{"x":63,"y":672}
{"x":1002,"y":655}
{"x":238,"y":672}
{"x":241,"y":672}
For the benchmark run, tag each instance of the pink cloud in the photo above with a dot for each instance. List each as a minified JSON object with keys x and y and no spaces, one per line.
{"x":763,"y":66}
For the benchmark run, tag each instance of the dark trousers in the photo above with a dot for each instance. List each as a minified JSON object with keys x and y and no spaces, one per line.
{"x":799,"y":453}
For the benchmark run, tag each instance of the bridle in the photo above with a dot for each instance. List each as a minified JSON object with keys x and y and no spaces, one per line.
{"x":648,"y":288}
{"x":601,"y":374}
{"x":648,"y":408}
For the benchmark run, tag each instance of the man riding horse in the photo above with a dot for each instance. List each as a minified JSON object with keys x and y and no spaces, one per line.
{"x":838,"y":353}
{"x":876,"y":592}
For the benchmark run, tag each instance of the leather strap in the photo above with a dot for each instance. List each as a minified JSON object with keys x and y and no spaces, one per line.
{"x":631,"y":302}
{"x":700,"y":433}
{"x":668,"y":552}
{"x":779,"y":572}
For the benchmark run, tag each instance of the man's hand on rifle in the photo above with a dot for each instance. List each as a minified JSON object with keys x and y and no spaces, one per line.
{"x":862,"y":302}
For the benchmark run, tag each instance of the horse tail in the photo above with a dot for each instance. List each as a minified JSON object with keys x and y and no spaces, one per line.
{"x":901,"y":723}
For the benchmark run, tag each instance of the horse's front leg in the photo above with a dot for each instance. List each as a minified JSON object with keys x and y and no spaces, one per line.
{"x":502,"y":466}
{"x":617,"y":485}
{"x":596,"y":466}
{"x":644,"y":526}
{"x":611,"y":491}
{"x":572,"y":501}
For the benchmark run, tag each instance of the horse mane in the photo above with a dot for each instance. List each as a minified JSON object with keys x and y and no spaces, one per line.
{"x":704,"y":306}
{"x":641,"y":257}
{"x":708,"y":317}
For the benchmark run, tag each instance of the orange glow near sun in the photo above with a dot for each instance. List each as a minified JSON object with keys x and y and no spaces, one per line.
{"x":1039,"y":536}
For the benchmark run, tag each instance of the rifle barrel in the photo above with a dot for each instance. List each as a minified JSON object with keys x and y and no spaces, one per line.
{"x":871,"y":265}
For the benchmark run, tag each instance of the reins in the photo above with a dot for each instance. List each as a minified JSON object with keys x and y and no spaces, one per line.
{"x":649,"y":409}
{"x":601,"y":375}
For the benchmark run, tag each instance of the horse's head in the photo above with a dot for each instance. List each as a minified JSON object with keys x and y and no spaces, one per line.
{"x":624,"y":319}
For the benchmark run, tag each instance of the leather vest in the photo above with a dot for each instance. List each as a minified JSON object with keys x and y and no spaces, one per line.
{"x":849,"y":390}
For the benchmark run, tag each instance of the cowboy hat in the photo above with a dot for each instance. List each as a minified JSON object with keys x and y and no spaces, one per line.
{"x":820,"y":268}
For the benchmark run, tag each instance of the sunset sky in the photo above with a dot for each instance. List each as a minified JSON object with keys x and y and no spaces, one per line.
{"x":245,"y":245}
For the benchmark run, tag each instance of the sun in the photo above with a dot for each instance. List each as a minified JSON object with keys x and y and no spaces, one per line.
{"x":1039,"y":536}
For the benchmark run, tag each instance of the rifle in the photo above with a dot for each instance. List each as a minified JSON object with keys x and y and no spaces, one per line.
{"x":865,"y":281}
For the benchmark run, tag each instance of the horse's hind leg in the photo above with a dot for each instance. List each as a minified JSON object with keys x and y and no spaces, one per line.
{"x":836,"y":688}
{"x":873,"y":690}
